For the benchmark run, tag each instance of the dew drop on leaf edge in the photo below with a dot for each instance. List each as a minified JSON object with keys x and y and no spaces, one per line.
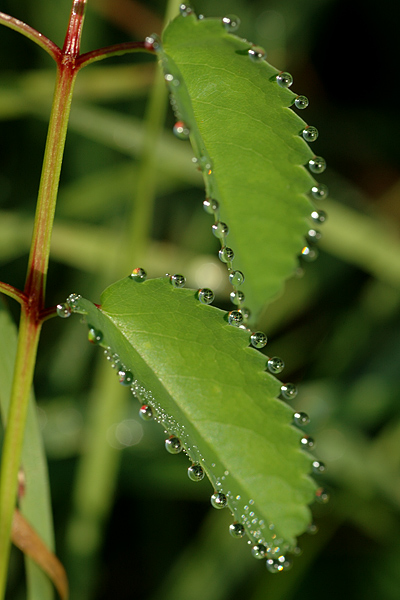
{"x":125,"y":377}
{"x":94,"y":335}
{"x":301,"y":102}
{"x":138,"y":274}
{"x":236,"y":530}
{"x":206,"y":296}
{"x":220,"y":229}
{"x":218,"y":500}
{"x":319,"y":216}
{"x":226,"y":254}
{"x":258,"y":551}
{"x":237,"y":297}
{"x":284,"y":79}
{"x":275,"y":365}
{"x":317,"y":164}
{"x":177,"y":280}
{"x":231,"y":23}
{"x":64,"y":310}
{"x":301,"y":419}
{"x":319,"y":192}
{"x":146,"y":412}
{"x":235,"y":318}
{"x":258,"y":339}
{"x":236,"y":278}
{"x":310,"y":133}
{"x":181,"y":131}
{"x":173,"y":445}
{"x":288,"y":391}
{"x":210,"y":205}
{"x":195,"y":472}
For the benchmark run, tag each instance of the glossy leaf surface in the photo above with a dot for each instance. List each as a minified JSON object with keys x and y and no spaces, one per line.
{"x":209,"y":389}
{"x":248,"y":144}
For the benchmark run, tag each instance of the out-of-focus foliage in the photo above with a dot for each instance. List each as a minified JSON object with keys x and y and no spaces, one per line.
{"x":128,"y":521}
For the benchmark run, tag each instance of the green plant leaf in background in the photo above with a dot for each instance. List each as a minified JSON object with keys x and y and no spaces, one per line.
{"x":249,"y":145}
{"x":210,"y":391}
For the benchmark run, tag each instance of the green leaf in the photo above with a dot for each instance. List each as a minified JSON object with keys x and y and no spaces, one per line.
{"x":35,"y":504}
{"x":248,"y":143}
{"x":209,"y":389}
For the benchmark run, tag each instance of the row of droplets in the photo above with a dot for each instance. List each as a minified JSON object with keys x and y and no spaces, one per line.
{"x":275,"y":553}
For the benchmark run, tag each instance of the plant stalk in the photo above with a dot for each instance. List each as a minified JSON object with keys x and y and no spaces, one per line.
{"x":34,"y":292}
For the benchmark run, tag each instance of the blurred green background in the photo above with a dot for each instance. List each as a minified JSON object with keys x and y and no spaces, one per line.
{"x":129,"y":523}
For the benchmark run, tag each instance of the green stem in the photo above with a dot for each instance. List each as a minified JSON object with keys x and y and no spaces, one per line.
{"x":34,"y":292}
{"x":12,"y":292}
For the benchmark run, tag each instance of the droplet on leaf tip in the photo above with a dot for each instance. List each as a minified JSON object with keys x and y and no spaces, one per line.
{"x":310,"y":134}
{"x":226,"y":254}
{"x":256,"y":54}
{"x":275,"y":365}
{"x":301,"y":102}
{"x":307,"y":442}
{"x":309,"y":254}
{"x":301,"y":419}
{"x":284,"y":79}
{"x":64,"y":310}
{"x":317,"y":164}
{"x":319,"y":216}
{"x":289,"y":391}
{"x":319,"y":192}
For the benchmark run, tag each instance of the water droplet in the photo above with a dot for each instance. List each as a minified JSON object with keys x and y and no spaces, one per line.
{"x":218,"y":500}
{"x":309,"y":254}
{"x":318,"y":467}
{"x":246,"y":312}
{"x":235,"y":318}
{"x":125,"y":377}
{"x":231,"y":23}
{"x":73,"y":301}
{"x":236,"y":530}
{"x":178,"y":281}
{"x":195,"y":472}
{"x":173,"y":445}
{"x":64,"y":310}
{"x":258,"y":339}
{"x":301,"y":419}
{"x":226,"y":254}
{"x":307,"y":442}
{"x":310,"y":133}
{"x":146,"y":412}
{"x":94,"y":335}
{"x":185,"y":10}
{"x":259,"y":551}
{"x":206,"y":164}
{"x":275,"y":365}
{"x":284,"y":79}
{"x":210,"y":205}
{"x":319,"y":216}
{"x":236,"y":278}
{"x":152,"y":42}
{"x":312,"y":529}
{"x":256,"y":54}
{"x":138,"y":275}
{"x":289,"y":391}
{"x":317,"y":164}
{"x":314,"y":235}
{"x":181,"y":131}
{"x":319,"y":192}
{"x":237,"y":297}
{"x":301,"y":102}
{"x":220,"y":229}
{"x":322,"y":496}
{"x":277,"y":565}
{"x":206,"y":296}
